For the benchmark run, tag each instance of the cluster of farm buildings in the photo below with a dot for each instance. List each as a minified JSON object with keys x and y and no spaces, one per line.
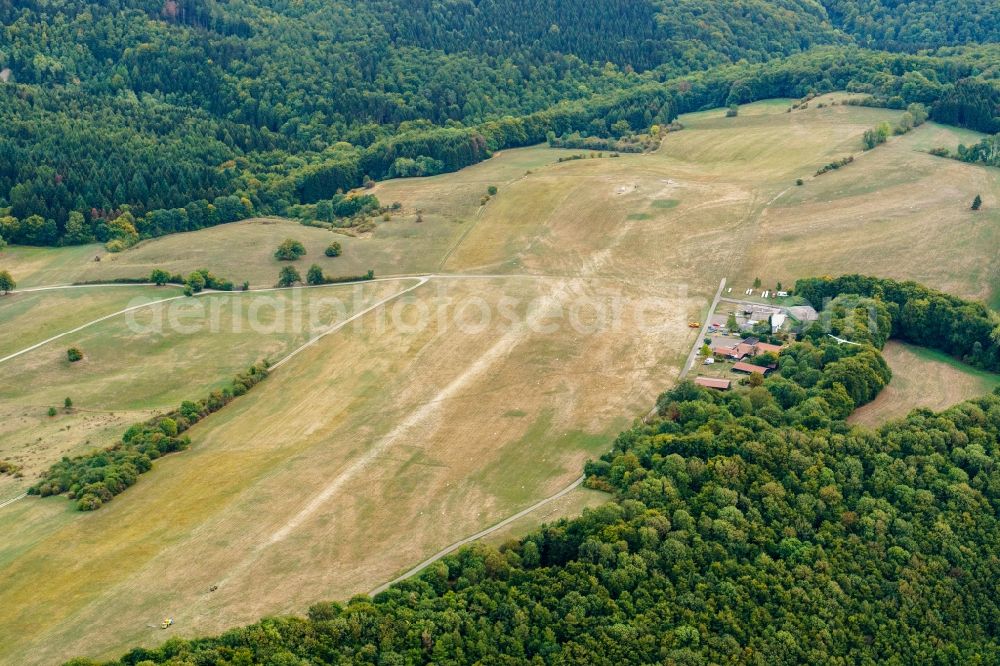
{"x":746,"y":348}
{"x":737,"y":346}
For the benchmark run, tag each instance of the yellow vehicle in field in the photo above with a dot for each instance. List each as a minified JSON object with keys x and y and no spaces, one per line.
{"x":167,"y":621}
{"x":694,"y":324}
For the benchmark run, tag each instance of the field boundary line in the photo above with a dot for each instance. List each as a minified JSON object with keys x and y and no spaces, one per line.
{"x":53,"y":287}
{"x":336,"y":327}
{"x":102,"y":285}
{"x":461,"y":239}
{"x":703,"y":331}
{"x":12,"y":500}
{"x":87,"y":325}
{"x":207,"y":292}
{"x":478,"y":535}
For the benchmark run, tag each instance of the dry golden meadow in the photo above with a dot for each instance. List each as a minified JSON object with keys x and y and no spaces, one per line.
{"x":401,"y":433}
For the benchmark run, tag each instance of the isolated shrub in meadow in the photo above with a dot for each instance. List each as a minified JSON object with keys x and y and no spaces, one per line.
{"x":315,"y":275}
{"x":289,"y":250}
{"x":196,"y":281}
{"x":7,"y":283}
{"x":159,"y":277}
{"x":288,"y":276}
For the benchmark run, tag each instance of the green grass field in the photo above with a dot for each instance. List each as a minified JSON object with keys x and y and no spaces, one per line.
{"x":922,"y":378}
{"x":243,"y":251}
{"x":31,"y":317}
{"x":392,"y":438}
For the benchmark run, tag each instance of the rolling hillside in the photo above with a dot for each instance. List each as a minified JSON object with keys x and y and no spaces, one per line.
{"x":455,"y":430}
{"x":472,"y":252}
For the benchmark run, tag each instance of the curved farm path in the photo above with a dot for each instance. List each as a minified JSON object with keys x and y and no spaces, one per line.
{"x":499,"y":350}
{"x":207,"y":292}
{"x":12,"y":500}
{"x":475,"y":537}
{"x":308,"y":343}
{"x":87,"y":325}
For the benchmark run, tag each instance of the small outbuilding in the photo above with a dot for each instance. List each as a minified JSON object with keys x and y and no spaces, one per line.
{"x":750,"y":368}
{"x":803,"y":313}
{"x":713,"y":383}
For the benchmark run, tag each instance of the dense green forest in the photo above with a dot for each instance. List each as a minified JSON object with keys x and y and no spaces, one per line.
{"x":205,"y":111}
{"x":909,"y":25}
{"x":967,"y":330}
{"x":750,"y":526}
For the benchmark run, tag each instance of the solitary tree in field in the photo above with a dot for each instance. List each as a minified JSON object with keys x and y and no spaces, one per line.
{"x":7,"y":283}
{"x":876,"y":136}
{"x":733,"y":111}
{"x":333,"y":249}
{"x":74,"y":354}
{"x":977,"y":203}
{"x":196,"y":281}
{"x":68,"y":403}
{"x":756,"y":283}
{"x":159,"y":277}
{"x":315,"y":275}
{"x":288,"y":276}
{"x":289,"y":250}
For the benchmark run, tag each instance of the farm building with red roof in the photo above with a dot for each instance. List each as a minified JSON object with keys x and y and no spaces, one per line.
{"x":712,"y":382}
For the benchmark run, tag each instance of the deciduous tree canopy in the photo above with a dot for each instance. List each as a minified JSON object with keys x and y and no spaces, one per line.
{"x":196,"y":112}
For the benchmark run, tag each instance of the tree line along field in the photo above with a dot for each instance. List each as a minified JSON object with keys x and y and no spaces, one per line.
{"x":222,"y":115}
{"x":377,"y":447}
{"x":243,"y":251}
{"x":127,"y":375}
